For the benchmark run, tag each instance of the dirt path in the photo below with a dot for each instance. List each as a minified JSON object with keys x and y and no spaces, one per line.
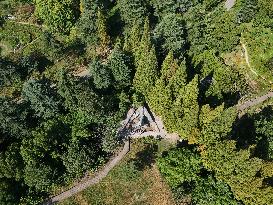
{"x":28,"y":23}
{"x":91,"y":181}
{"x":131,"y":116}
{"x":158,"y":132}
{"x":254,"y":101}
{"x":249,"y":65}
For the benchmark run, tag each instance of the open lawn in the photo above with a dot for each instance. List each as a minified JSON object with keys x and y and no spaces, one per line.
{"x":135,"y":181}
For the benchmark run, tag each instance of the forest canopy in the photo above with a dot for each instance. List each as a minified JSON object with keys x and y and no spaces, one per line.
{"x":71,"y":69}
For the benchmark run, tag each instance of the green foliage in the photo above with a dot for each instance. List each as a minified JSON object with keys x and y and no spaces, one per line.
{"x":15,"y":36}
{"x":264,"y":14}
{"x":45,"y":143}
{"x":185,"y":110}
{"x":263,"y":128}
{"x":179,"y":79}
{"x":58,"y":16}
{"x":210,"y":4}
{"x":247,"y":11}
{"x":160,"y":97}
{"x":40,"y":176}
{"x":9,"y":192}
{"x":216,"y":124}
{"x":219,"y":78}
{"x":170,"y":33}
{"x":53,"y":130}
{"x":222,"y":31}
{"x":85,"y":105}
{"x":175,"y":100}
{"x":132,"y":39}
{"x":143,"y":47}
{"x":12,"y":120}
{"x":146,"y":72}
{"x":180,"y":166}
{"x":138,"y":99}
{"x":216,"y":30}
{"x":259,"y":42}
{"x":230,"y":164}
{"x":102,"y":30}
{"x":196,"y":26}
{"x":42,"y":98}
{"x":100,"y":73}
{"x":86,"y":24}
{"x":164,"y":7}
{"x":133,"y":11}
{"x":50,"y":46}
{"x":213,"y":192}
{"x":11,"y":165}
{"x":146,"y":63}
{"x":9,"y":74}
{"x":78,"y":159}
{"x":121,"y":69}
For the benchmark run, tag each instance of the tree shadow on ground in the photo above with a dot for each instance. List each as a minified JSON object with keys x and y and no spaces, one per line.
{"x":268,"y":181}
{"x":145,"y":158}
{"x":244,"y":132}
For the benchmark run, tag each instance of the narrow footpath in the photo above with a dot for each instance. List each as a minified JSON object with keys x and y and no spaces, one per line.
{"x":139,"y":123}
{"x":94,"y":180}
{"x":131,"y":128}
{"x":254,"y":101}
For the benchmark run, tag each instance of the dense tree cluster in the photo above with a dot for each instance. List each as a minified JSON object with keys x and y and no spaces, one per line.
{"x":185,"y":173}
{"x":70,"y":69}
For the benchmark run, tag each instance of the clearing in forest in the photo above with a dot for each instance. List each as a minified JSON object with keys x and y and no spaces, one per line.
{"x":136,"y":180}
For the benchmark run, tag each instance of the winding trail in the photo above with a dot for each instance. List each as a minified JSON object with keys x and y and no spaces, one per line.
{"x":131,"y":128}
{"x":134,"y":130}
{"x":254,"y":101}
{"x":94,"y":180}
{"x":249,"y":65}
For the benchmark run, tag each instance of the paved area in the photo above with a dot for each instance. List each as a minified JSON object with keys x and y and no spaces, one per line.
{"x":229,"y":4}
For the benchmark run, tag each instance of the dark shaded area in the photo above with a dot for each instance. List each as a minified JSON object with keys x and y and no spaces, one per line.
{"x":76,"y":48}
{"x":115,"y":24}
{"x":245,"y":133}
{"x":268,"y":181}
{"x":145,"y":158}
{"x":229,"y":99}
{"x":34,"y":62}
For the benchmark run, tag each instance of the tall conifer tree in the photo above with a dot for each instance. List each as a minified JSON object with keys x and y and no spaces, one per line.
{"x":146,"y":63}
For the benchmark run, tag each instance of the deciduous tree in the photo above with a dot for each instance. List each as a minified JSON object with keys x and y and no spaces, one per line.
{"x":100,"y":73}
{"x":121,"y":67}
{"x":58,"y":15}
{"x":42,"y":98}
{"x":180,"y":166}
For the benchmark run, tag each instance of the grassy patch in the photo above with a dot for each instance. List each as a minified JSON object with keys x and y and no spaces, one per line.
{"x":136,"y":180}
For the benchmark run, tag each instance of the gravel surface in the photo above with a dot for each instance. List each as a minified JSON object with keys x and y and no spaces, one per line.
{"x":229,"y":4}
